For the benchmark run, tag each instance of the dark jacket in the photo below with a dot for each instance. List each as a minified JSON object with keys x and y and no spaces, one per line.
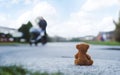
{"x":42,"y":24}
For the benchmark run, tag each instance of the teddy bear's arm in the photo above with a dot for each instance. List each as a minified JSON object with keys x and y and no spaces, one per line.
{"x":88,"y":56}
{"x":76,"y":56}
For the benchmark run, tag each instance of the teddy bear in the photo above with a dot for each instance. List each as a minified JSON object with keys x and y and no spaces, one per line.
{"x":82,"y":58}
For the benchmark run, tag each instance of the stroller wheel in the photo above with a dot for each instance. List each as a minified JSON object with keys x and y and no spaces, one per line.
{"x":44,"y":41}
{"x":30,"y":43}
{"x":36,"y":43}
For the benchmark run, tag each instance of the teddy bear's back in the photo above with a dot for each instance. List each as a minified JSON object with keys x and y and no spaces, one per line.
{"x":82,"y":56}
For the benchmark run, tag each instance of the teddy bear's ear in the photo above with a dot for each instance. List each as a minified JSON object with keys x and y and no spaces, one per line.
{"x":87,"y":45}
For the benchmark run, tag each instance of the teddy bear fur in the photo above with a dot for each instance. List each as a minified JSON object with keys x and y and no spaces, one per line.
{"x":82,"y":58}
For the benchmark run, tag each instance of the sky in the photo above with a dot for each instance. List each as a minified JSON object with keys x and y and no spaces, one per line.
{"x":66,"y":18}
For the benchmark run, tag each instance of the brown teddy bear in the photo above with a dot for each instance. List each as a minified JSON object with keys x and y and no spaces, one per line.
{"x":81,"y":58}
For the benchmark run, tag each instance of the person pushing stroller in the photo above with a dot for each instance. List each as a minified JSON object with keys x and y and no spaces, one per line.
{"x":39,"y":34}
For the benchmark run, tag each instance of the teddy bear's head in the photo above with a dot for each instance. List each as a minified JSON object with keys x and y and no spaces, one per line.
{"x":82,"y":47}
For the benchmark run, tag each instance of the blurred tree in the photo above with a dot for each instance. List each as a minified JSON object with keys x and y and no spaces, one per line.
{"x":1,"y":34}
{"x":77,"y":39}
{"x":117,"y":29}
{"x":8,"y":35}
{"x":25,"y":30}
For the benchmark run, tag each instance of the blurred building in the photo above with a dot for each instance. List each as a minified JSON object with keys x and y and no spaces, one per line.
{"x":58,"y":39}
{"x":87,"y":38}
{"x":8,"y":34}
{"x":105,"y":36}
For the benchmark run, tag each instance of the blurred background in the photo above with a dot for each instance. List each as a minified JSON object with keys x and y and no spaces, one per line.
{"x":68,"y":20}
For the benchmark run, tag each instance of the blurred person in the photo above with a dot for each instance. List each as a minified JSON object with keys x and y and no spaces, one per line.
{"x":43,"y":24}
{"x":39,"y":34}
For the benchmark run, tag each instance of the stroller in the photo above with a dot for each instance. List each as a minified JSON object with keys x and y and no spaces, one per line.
{"x":37,"y":35}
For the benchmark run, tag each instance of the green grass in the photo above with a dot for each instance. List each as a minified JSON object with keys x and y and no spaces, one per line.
{"x":104,"y":43}
{"x":90,"y":42}
{"x":10,"y":43}
{"x":7,"y":43}
{"x":19,"y":70}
